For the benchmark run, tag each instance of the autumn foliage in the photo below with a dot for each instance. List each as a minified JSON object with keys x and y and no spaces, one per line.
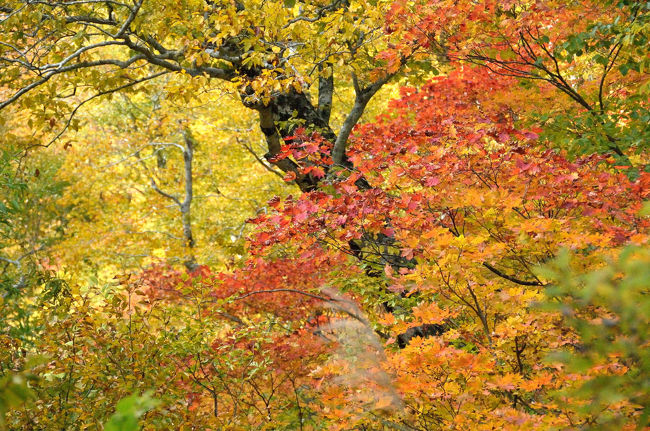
{"x":476,"y":206}
{"x":477,"y":260}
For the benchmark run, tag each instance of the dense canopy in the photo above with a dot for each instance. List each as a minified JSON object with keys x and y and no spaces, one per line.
{"x":336,"y":215}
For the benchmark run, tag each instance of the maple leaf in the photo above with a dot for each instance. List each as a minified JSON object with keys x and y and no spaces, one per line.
{"x":289,"y":176}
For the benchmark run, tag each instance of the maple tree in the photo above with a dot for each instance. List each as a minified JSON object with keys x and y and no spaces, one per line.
{"x":475,"y":207}
{"x":473,"y":257}
{"x":584,"y":49}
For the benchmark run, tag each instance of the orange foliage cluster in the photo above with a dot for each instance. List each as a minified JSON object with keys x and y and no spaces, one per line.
{"x":461,"y":209}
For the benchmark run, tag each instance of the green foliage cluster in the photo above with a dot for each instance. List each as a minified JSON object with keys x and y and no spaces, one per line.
{"x":610,"y":311}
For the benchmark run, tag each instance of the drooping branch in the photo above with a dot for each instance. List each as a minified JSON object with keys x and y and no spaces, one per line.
{"x":296,"y":291}
{"x":333,"y":299}
{"x":71,"y":68}
{"x":118,"y":34}
{"x":99,"y":94}
{"x":261,"y":161}
{"x":533,"y":64}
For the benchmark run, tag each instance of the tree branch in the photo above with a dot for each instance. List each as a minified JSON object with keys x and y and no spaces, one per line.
{"x":362,"y":97}
{"x":165,"y":194}
{"x":511,"y":278}
{"x":300,"y":292}
{"x":260,"y":160}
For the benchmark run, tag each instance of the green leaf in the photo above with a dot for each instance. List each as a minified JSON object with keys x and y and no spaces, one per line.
{"x":129,"y":411}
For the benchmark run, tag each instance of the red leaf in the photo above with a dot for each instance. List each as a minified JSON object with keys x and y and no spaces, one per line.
{"x":290,"y":176}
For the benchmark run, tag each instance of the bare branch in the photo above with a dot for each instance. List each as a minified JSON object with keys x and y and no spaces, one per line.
{"x":260,"y":160}
{"x":300,"y":292}
{"x":102,"y":93}
{"x":165,"y":194}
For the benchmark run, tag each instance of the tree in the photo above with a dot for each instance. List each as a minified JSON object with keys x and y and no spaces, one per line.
{"x":477,"y":204}
{"x":121,"y":146}
{"x":593,"y":52}
{"x":273,"y":52}
{"x":418,"y":280}
{"x":608,"y":309}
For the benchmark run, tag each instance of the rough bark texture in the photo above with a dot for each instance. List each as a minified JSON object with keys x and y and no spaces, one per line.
{"x":290,"y":110}
{"x":426,"y":330}
{"x":188,"y":156}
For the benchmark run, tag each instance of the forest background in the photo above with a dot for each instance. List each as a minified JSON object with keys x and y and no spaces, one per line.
{"x":356,"y":214}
